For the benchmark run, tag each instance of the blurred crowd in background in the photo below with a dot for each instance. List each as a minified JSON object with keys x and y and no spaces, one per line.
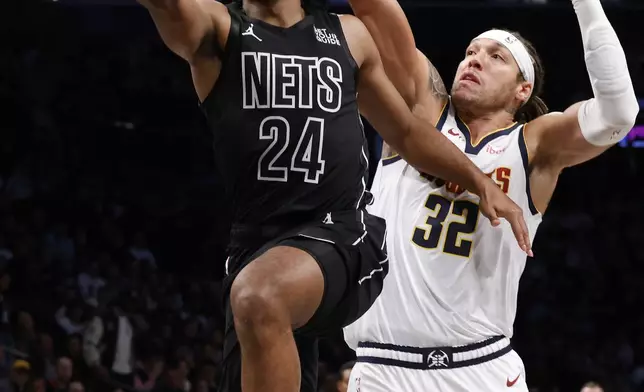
{"x":113,"y":228}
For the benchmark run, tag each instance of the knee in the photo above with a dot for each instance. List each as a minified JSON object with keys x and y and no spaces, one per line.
{"x":256,"y":305}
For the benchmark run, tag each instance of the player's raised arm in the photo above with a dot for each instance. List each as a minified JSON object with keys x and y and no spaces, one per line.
{"x":188,"y":27}
{"x":588,"y":128}
{"x":415,"y":139}
{"x":413,"y":75}
{"x":407,"y":68}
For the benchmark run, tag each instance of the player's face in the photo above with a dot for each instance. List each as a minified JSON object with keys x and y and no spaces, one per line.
{"x":487,"y":78}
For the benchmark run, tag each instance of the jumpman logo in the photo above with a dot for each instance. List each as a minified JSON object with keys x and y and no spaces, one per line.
{"x":249,"y":31}
{"x":328,"y":220}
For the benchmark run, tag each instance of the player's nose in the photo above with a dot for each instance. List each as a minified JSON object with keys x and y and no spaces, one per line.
{"x":475,"y":62}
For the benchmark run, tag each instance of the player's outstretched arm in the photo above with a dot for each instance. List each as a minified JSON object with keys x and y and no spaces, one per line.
{"x":588,"y":128}
{"x":408,"y":69}
{"x":416,"y":140}
{"x":413,"y":75}
{"x":189,"y":27}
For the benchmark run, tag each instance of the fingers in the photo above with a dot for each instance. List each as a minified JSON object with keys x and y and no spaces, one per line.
{"x":520,"y":230}
{"x":508,"y":210}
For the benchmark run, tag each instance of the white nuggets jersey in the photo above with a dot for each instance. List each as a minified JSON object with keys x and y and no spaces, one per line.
{"x":453,"y":278}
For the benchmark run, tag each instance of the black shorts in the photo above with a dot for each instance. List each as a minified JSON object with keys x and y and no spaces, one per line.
{"x":350,"y":249}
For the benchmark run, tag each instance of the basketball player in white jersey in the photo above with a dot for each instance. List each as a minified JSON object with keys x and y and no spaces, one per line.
{"x":444,"y":319}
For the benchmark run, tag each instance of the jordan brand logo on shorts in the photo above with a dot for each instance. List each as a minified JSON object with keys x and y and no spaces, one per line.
{"x":328,"y":220}
{"x":509,"y":383}
{"x":437,"y":358}
{"x":249,"y":31}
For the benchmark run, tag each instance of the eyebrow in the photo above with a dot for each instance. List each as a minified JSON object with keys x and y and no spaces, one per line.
{"x":498,"y":47}
{"x":494,"y":46}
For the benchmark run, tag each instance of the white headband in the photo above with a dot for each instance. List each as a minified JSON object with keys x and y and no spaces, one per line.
{"x":516,"y":47}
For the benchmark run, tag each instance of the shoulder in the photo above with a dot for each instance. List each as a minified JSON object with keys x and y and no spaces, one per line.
{"x":216,"y":10}
{"x":352,"y":26}
{"x":218,"y":13}
{"x":213,"y":6}
{"x":358,"y":39}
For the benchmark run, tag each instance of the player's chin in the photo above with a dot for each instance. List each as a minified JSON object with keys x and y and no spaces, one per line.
{"x":464,"y":93}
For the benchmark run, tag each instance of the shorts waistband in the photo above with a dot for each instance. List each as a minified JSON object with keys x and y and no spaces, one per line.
{"x":432,"y":358}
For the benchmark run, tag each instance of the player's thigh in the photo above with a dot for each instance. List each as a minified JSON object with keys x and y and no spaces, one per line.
{"x":284,"y":281}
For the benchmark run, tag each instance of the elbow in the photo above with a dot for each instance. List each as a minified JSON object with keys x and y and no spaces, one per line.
{"x":623,"y":116}
{"x":631,"y":110}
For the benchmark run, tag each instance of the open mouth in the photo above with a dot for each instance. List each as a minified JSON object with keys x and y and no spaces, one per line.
{"x":470,"y":77}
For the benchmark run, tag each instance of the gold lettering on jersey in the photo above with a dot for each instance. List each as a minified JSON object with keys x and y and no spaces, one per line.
{"x":500,"y":175}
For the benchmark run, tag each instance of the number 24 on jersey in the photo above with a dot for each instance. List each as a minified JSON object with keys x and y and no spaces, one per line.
{"x":307,"y":157}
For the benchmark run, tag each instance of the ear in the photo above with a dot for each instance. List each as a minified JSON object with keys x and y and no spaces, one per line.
{"x":524,"y":90}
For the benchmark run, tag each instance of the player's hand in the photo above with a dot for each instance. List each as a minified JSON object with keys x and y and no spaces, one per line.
{"x":495,"y":205}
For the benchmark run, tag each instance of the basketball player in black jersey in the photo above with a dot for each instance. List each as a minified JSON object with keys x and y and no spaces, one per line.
{"x":278,"y":83}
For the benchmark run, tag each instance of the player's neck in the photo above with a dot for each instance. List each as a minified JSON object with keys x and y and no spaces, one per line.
{"x":281,"y":13}
{"x":483,"y":123}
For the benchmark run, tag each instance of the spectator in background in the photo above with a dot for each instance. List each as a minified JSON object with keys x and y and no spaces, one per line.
{"x":108,"y":345}
{"x":74,"y":351}
{"x":343,"y":376}
{"x":45,"y":359}
{"x":175,"y":378}
{"x":592,"y":386}
{"x":207,"y":377}
{"x":62,"y":380}
{"x":89,"y":283}
{"x":76,"y":386}
{"x":24,"y":337}
{"x":147,"y":373}
{"x":140,"y":251}
{"x":20,"y":373}
{"x":70,"y":320}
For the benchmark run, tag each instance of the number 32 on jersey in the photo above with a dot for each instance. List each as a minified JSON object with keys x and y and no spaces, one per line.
{"x":307,"y":157}
{"x":463,"y":219}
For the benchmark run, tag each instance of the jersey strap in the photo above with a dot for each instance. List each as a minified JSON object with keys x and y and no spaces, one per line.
{"x":233,"y":44}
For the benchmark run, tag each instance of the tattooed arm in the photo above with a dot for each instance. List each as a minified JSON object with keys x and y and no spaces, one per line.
{"x":429,"y":105}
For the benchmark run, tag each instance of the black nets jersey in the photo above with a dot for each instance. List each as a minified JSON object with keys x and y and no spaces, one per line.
{"x":288,"y":138}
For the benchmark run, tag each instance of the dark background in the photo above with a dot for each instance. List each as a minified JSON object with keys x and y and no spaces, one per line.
{"x":104,"y":152}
